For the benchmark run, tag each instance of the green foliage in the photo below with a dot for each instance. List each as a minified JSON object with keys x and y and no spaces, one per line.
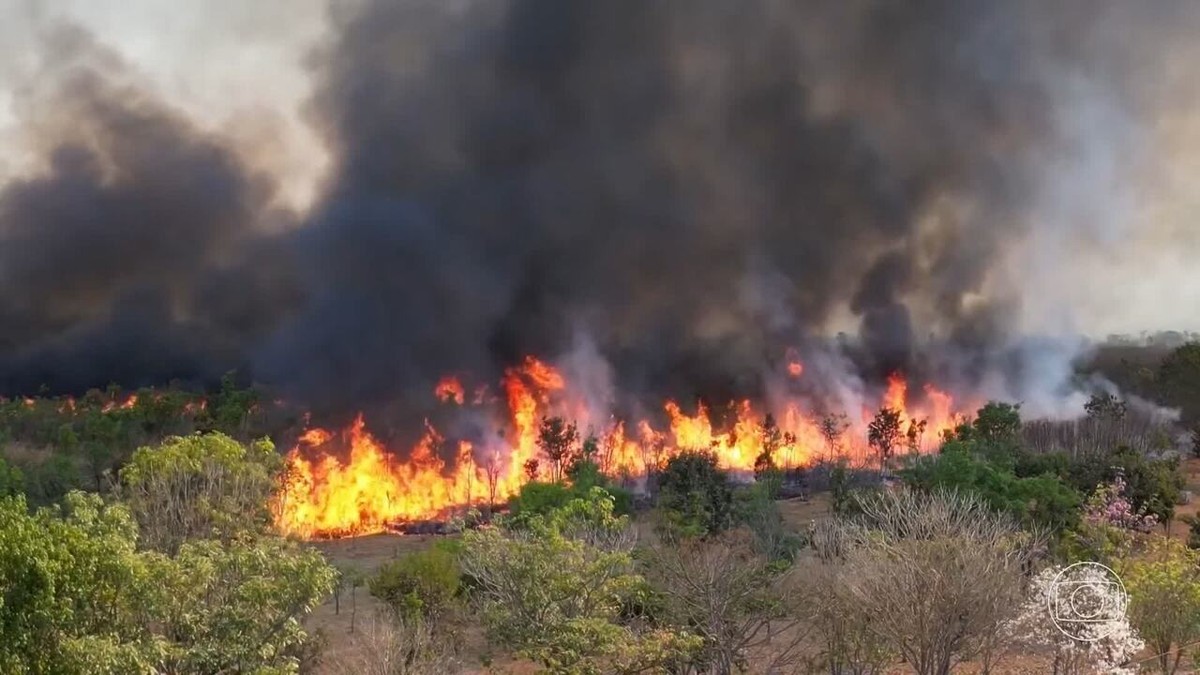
{"x":80,"y":598}
{"x":1164,"y":589}
{"x":694,"y":498}
{"x":539,"y":499}
{"x":1177,"y":380}
{"x":12,"y":481}
{"x":1193,"y":523}
{"x":555,"y":590}
{"x":998,"y":424}
{"x":81,"y":443}
{"x":1043,"y":501}
{"x":757,"y":509}
{"x":203,"y":485}
{"x":47,"y":481}
{"x":423,"y":584}
{"x":236,"y":606}
{"x":1154,"y":484}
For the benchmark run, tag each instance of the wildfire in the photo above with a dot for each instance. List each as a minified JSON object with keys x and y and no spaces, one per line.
{"x":349,"y":483}
{"x":449,"y":389}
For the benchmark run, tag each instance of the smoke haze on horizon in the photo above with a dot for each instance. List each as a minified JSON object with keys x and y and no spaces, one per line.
{"x":349,"y":201}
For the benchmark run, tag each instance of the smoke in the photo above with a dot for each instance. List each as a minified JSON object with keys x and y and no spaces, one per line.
{"x":693,"y":186}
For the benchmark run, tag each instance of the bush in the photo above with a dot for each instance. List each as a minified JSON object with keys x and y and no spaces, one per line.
{"x":12,"y":482}
{"x":694,"y":495}
{"x":1042,"y":500}
{"x":424,"y":584}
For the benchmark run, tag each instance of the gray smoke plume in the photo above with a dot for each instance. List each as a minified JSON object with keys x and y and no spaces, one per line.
{"x":694,"y":185}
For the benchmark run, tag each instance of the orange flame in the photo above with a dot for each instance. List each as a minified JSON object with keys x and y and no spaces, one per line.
{"x":349,"y":483}
{"x":449,"y":389}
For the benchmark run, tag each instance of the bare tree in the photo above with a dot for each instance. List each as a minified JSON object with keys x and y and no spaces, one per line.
{"x":833,"y":427}
{"x":492,"y":472}
{"x":734,"y":599}
{"x":846,"y":639}
{"x":938,"y":573}
{"x":389,"y":645}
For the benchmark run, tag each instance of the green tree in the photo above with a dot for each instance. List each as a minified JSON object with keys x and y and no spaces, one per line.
{"x":203,"y":485}
{"x":1164,"y":590}
{"x":998,"y":425}
{"x":237,"y":606}
{"x":555,"y":591}
{"x":1105,"y":406}
{"x":694,"y":495}
{"x":1178,"y":381}
{"x":81,"y":598}
{"x":424,"y":584}
{"x":12,"y":481}
{"x":1044,"y":501}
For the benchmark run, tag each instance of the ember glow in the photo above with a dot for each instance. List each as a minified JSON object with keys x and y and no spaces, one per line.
{"x":347,"y":482}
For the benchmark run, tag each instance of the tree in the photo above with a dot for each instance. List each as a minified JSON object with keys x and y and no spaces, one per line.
{"x":833,"y":427}
{"x":694,"y":495}
{"x":555,"y":590}
{"x":83,"y":599}
{"x":916,"y":430}
{"x":420,"y":585}
{"x":1164,"y":589}
{"x":939,"y":573}
{"x":237,"y":606}
{"x":772,"y":440}
{"x":732,"y":597}
{"x":397,"y":646}
{"x":1101,"y":645}
{"x":845,"y":631}
{"x":883,"y":433}
{"x":202,"y":485}
{"x":531,"y":468}
{"x":1178,"y":381}
{"x":998,"y":424}
{"x":12,"y":482}
{"x":556,"y":440}
{"x":1042,"y":501}
{"x":1105,"y":406}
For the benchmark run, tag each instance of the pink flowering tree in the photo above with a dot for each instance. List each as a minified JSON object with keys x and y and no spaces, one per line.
{"x":1109,"y":506}
{"x":1110,"y":526}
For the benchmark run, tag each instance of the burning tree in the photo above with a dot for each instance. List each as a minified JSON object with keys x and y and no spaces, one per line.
{"x":916,"y":429}
{"x":884,"y":433}
{"x":557,"y":439}
{"x":832,"y":429}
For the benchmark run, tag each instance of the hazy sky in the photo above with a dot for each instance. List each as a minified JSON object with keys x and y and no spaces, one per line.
{"x":233,"y":66}
{"x":1117,"y":249}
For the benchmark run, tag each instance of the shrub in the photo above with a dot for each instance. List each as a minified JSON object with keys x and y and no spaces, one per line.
{"x":424,"y":584}
{"x":694,"y":495}
{"x":12,"y":482}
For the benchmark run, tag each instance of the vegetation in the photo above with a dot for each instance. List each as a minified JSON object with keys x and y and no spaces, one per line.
{"x":556,"y":589}
{"x":695,"y":497}
{"x":82,"y":597}
{"x":168,"y":562}
{"x":421,"y":585}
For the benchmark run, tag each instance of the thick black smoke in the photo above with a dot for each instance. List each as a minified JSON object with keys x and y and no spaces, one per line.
{"x":694,"y":184}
